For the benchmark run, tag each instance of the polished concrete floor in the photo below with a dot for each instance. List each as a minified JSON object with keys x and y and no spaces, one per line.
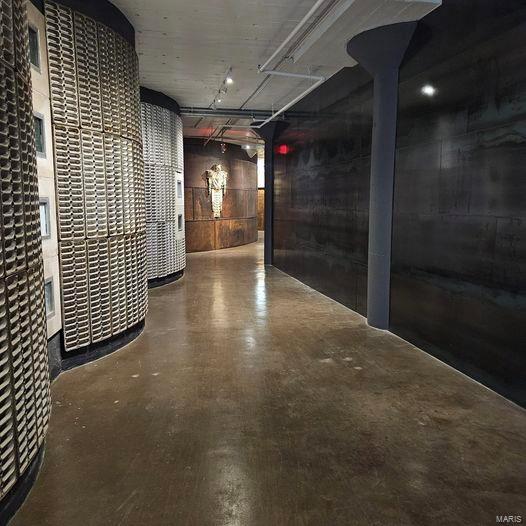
{"x":251,"y":399}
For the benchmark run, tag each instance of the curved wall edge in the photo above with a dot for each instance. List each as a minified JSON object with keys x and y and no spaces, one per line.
{"x":16,"y":496}
{"x":25,"y":407}
{"x":99,"y":175}
{"x":102,"y":11}
{"x":157,"y":98}
{"x":54,"y":354}
{"x":159,"y":282}
{"x":162,"y":134}
{"x":98,"y":350}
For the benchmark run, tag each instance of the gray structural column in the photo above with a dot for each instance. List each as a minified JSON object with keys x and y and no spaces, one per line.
{"x":268,"y":133}
{"x":380,"y":52}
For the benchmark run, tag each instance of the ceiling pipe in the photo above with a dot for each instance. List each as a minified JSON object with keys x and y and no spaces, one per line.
{"x":225,"y":112}
{"x":279,"y":112}
{"x":293,"y":33}
{"x":319,"y":81}
{"x":293,"y":75}
{"x":263,"y":69}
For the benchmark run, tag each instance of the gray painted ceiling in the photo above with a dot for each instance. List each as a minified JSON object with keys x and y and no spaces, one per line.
{"x":186,"y":48}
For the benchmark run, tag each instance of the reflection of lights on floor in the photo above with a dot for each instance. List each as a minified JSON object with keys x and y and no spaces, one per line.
{"x":260,"y":295}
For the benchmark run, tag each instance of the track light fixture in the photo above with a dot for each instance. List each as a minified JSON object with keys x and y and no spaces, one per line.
{"x":223,"y":89}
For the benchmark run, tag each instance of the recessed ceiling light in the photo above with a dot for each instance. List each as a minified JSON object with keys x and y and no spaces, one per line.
{"x":428,"y":90}
{"x":229,"y":80}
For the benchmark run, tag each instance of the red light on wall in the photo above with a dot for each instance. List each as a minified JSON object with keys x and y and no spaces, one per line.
{"x":283,"y":149}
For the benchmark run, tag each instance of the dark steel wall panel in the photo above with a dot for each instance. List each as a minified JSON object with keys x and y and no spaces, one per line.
{"x":24,"y":376}
{"x":458,"y":263}
{"x":321,"y":200}
{"x":459,"y":239}
{"x":99,"y":174}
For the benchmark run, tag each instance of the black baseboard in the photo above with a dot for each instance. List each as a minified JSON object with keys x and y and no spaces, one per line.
{"x":159,"y":282}
{"x":54,"y":355}
{"x":98,"y":350}
{"x":17,"y":494}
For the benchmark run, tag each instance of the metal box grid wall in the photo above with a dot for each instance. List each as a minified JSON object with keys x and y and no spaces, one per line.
{"x":162,"y":132}
{"x":99,"y":176}
{"x":24,"y":376}
{"x":88,"y":70}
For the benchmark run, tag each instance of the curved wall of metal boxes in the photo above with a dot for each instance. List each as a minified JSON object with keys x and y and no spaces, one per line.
{"x":162,"y":131}
{"x":24,"y":377}
{"x":99,"y":176}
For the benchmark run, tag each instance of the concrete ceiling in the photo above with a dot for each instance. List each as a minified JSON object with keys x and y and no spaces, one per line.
{"x":187,"y":47}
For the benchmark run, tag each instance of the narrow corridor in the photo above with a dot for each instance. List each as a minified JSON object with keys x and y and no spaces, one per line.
{"x":251,"y":399}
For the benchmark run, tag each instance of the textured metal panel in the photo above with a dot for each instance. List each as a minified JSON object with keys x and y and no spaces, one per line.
{"x":170,"y":189}
{"x":139,"y":188}
{"x":181,"y":254}
{"x":132,"y":289}
{"x":162,"y":152}
{"x":39,"y":350}
{"x":151,"y":250}
{"x":69,"y":184}
{"x":99,"y":289}
{"x":24,"y":378}
{"x":11,"y":177}
{"x":100,"y":177}
{"x":62,"y":64}
{"x":179,"y":146}
{"x":28,"y":167}
{"x":7,"y":45}
{"x":114,"y":178}
{"x":75,"y":300}
{"x":7,"y":430}
{"x":96,"y":216}
{"x":108,"y":77}
{"x":21,"y":40}
{"x":118,"y":284}
{"x":88,"y":72}
{"x":22,"y":367}
{"x":128,"y":190}
{"x":120,"y":95}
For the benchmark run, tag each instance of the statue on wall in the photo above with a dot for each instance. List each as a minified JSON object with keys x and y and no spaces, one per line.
{"x":216,"y":178}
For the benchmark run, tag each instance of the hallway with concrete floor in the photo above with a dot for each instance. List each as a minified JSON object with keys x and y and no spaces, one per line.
{"x":251,"y":399}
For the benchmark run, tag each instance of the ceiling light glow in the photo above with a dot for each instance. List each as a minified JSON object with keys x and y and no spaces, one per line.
{"x":229,"y":80}
{"x":428,"y":90}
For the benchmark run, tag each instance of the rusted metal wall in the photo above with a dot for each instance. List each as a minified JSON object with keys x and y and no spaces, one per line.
{"x":238,"y":222}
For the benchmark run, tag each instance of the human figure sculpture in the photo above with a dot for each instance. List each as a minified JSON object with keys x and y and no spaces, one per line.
{"x":217,"y":178}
